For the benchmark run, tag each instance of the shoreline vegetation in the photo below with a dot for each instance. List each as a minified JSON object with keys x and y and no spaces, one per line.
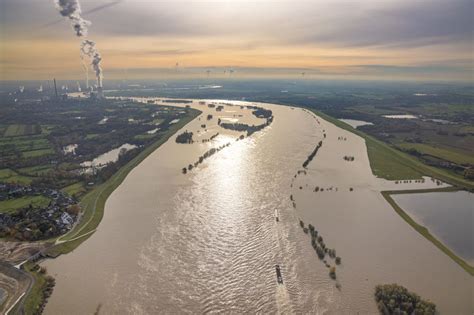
{"x":246,"y":128}
{"x":383,"y":160}
{"x":319,"y":246}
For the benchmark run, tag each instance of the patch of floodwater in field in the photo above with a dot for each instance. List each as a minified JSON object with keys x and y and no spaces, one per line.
{"x":70,"y":149}
{"x":203,"y":87}
{"x":153,"y":131}
{"x":440,"y":121}
{"x":449,"y":216}
{"x":103,"y":121}
{"x":230,"y":120}
{"x":108,"y":157}
{"x":208,"y":241}
{"x":354,"y":123}
{"x":407,"y":116}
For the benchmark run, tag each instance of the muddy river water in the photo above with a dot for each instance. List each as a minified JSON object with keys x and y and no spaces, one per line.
{"x":208,"y":242}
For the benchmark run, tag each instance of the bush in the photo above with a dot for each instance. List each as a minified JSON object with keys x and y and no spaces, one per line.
{"x":185,"y":137}
{"x":395,"y":299}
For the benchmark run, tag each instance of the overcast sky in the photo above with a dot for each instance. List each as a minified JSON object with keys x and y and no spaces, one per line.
{"x":408,"y":39}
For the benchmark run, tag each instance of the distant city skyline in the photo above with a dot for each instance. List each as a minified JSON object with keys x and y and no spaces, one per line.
{"x":403,"y":40}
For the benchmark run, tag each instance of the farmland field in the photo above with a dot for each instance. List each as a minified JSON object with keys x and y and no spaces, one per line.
{"x":21,"y":130}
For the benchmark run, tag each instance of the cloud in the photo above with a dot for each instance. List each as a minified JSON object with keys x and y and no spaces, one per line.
{"x":418,"y":23}
{"x":152,"y":52}
{"x":260,"y":33}
{"x":342,"y":23}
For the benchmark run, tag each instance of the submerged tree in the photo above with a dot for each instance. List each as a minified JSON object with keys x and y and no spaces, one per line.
{"x":395,"y":299}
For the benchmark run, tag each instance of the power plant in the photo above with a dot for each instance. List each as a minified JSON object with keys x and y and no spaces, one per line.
{"x":93,"y":95}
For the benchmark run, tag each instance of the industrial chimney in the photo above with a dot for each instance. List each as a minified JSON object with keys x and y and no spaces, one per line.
{"x":55,"y":88}
{"x":100,"y":92}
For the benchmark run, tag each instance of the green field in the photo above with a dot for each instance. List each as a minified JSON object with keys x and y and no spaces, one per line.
{"x":6,"y":173}
{"x":21,"y":130}
{"x":144,"y":136}
{"x":38,"y":170}
{"x":26,"y":143}
{"x":74,"y":189}
{"x":36,"y":153}
{"x":10,"y":176}
{"x":442,"y":153}
{"x":12,"y":205}
{"x":29,"y":146}
{"x":92,"y":136}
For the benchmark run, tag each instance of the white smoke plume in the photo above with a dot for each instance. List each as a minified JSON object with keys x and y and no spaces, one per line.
{"x":86,"y":69}
{"x":79,"y":87}
{"x":72,"y":10}
{"x":88,"y":49}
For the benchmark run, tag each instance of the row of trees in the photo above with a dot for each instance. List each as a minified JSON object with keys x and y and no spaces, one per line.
{"x":211,"y":138}
{"x":312,"y":155}
{"x":246,"y":128}
{"x":258,"y":112}
{"x":262,"y":113}
{"x":201,"y":159}
{"x":317,"y":242}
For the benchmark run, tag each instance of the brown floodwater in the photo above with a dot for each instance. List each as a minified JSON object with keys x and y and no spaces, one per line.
{"x":208,"y":241}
